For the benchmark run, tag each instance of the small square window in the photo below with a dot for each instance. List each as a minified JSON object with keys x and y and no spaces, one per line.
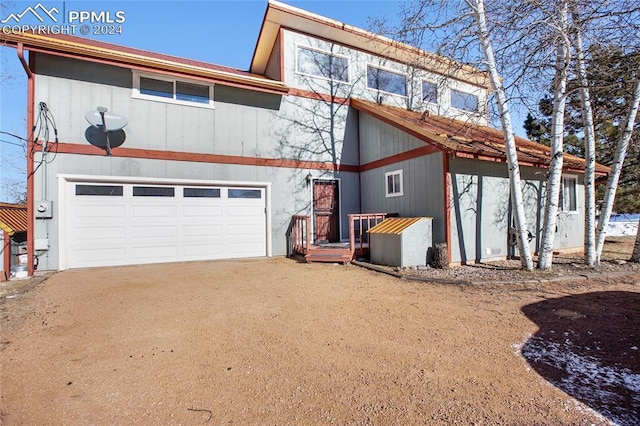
{"x":429,"y":92}
{"x":244,"y":193}
{"x":153,"y":87}
{"x":394,"y":184}
{"x":321,"y":64}
{"x":386,"y":81}
{"x":201,"y":192}
{"x":464,"y":101}
{"x":100,"y":190}
{"x":192,"y":92}
{"x":170,"y":90}
{"x":153,"y":191}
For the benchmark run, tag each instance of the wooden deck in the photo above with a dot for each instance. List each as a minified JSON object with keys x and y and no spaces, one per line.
{"x":339,"y":252}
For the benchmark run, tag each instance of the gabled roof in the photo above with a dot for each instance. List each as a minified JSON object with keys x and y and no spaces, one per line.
{"x":13,"y":218}
{"x":98,"y":51}
{"x":467,"y":140}
{"x":279,"y":15}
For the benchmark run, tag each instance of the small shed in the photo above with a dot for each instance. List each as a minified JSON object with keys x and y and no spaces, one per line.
{"x":13,"y":236}
{"x":401,"y":241}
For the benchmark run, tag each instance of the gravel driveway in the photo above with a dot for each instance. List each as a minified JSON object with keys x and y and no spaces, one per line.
{"x":272,"y":341}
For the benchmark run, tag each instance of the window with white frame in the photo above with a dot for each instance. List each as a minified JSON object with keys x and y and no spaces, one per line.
{"x":166,"y":89}
{"x":386,"y":81}
{"x":464,"y":101}
{"x":568,"y":194}
{"x":429,"y":92}
{"x":393,"y":184}
{"x":322,"y":64}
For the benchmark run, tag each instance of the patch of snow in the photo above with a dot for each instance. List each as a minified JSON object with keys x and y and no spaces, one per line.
{"x":622,"y":229}
{"x":586,"y":379}
{"x":575,"y":405}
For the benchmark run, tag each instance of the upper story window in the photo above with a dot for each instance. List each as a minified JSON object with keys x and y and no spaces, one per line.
{"x":394,"y":184}
{"x":386,"y":81}
{"x":568,"y":194}
{"x":153,"y":87}
{"x":464,"y":101}
{"x":322,"y":64}
{"x":429,"y":92}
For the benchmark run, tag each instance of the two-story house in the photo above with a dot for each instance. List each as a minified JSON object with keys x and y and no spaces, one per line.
{"x":330,"y":120}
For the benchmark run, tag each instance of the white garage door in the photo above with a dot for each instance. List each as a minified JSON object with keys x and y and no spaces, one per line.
{"x":110,"y":224}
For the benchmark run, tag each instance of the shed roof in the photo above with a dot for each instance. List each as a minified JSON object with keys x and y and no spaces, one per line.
{"x":395,"y":225}
{"x":13,"y":218}
{"x":464,"y":139}
{"x":99,"y":51}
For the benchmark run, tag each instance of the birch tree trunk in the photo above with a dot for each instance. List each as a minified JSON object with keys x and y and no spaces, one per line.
{"x":635,"y":257}
{"x":554,"y":179}
{"x":517,"y":200}
{"x":590,"y":146}
{"x":616,"y":169}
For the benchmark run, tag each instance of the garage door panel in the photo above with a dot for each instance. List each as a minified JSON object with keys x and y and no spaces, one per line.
{"x":202,"y":231}
{"x":169,"y":230}
{"x":244,"y":211}
{"x":155,"y":211}
{"x":102,"y":233}
{"x":98,"y":256}
{"x":245,"y":229}
{"x":202,"y":211}
{"x":242,"y":250}
{"x":203,"y":251}
{"x":98,"y":211}
{"x":150,"y":254}
{"x":194,"y":224}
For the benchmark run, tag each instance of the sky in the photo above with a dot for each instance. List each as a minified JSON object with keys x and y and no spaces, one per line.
{"x":216,"y":31}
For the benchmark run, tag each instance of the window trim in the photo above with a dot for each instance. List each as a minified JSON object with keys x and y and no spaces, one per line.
{"x":390,"y":70}
{"x":435,"y":85}
{"x":326,"y":52}
{"x":386,"y":183}
{"x":467,"y":111}
{"x":137,"y":95}
{"x":561,"y":201}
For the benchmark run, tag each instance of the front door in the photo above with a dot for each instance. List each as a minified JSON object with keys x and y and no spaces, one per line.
{"x":326,"y":211}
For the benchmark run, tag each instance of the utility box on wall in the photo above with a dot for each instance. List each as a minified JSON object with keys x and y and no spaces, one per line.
{"x":401,"y":241}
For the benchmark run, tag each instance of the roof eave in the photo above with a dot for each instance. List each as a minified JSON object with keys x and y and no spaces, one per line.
{"x":57,"y":46}
{"x":282,"y":15}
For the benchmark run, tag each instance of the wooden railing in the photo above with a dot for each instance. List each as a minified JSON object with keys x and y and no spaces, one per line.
{"x":359,"y":224}
{"x":301,"y":234}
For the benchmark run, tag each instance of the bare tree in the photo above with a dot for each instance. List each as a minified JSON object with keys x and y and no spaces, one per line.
{"x":590,"y":142}
{"x":563,"y":59}
{"x":512,"y":156}
{"x":614,"y":177}
{"x":635,"y":257}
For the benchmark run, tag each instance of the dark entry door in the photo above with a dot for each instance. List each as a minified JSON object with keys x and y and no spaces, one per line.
{"x":326,"y":211}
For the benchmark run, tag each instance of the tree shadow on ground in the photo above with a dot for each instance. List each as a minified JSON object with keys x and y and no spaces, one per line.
{"x":588,"y":346}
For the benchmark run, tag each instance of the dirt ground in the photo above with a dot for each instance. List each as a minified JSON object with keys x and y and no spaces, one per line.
{"x":274,"y":341}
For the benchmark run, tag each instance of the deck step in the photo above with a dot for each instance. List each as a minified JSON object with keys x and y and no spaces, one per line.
{"x":328,"y":255}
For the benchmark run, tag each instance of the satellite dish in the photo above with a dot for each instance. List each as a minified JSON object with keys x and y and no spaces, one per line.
{"x":111,"y":121}
{"x":97,"y":137}
{"x":107,"y":124}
